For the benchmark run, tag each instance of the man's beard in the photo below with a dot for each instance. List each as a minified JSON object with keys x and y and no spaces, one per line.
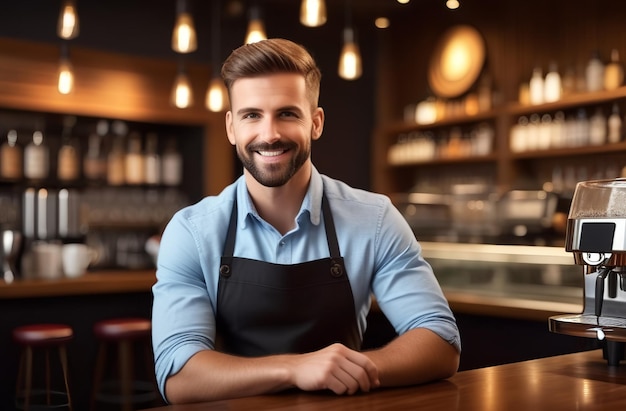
{"x":273,"y":175}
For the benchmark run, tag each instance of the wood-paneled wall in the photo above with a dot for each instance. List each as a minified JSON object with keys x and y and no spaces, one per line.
{"x":519,"y":35}
{"x":114,"y":86}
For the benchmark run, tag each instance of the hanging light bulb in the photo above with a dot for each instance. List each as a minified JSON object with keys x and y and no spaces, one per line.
{"x":350,"y":66}
{"x":182,"y":96}
{"x":67,"y":27}
{"x":256,"y":29}
{"x":313,"y":13}
{"x":184,"y":34}
{"x":216,"y":95}
{"x":65,"y":83}
{"x":452,"y":4}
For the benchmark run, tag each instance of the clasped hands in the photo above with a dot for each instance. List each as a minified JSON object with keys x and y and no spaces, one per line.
{"x":336,"y":368}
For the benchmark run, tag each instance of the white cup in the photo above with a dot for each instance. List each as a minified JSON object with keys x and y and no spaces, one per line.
{"x":47,"y":260}
{"x":76,"y":259}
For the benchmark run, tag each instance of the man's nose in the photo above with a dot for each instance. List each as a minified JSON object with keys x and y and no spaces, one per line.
{"x":269,"y":130}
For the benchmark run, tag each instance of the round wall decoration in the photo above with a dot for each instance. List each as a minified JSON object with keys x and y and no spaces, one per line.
{"x":457,"y":61}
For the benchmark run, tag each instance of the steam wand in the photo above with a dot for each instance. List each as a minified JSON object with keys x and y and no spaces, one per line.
{"x":600,"y":291}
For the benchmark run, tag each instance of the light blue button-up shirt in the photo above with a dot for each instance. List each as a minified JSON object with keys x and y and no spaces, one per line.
{"x":381,"y":255}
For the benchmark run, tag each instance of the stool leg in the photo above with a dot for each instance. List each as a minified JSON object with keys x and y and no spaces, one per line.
{"x":64,"y":365}
{"x":47,"y":355}
{"x":29,"y":377}
{"x":126,"y":374}
{"x":98,"y":373}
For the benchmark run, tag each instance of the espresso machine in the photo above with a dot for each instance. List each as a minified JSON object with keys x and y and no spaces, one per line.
{"x":596,"y":235}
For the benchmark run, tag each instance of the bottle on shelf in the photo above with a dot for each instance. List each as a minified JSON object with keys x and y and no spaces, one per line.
{"x":597,"y":128}
{"x":552,"y":87}
{"x":558,"y":135}
{"x":568,"y":82}
{"x":594,"y":73}
{"x":133,"y":160}
{"x":11,"y":157}
{"x":95,"y":162}
{"x":581,"y":129}
{"x":116,"y":173}
{"x":152,"y":160}
{"x":36,"y":158}
{"x":535,"y":87}
{"x":172,"y":164}
{"x":615,"y":125}
{"x":68,"y":166}
{"x":614,"y":72}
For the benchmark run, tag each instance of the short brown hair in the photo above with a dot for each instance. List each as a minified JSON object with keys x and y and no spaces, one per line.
{"x":273,"y":56}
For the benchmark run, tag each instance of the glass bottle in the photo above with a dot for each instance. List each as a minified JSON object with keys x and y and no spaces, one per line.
{"x":36,"y":158}
{"x":133,"y":160}
{"x":597,"y":128}
{"x":594,"y":73}
{"x":536,"y":87}
{"x":615,"y":125}
{"x":11,"y":157}
{"x":614,"y":72}
{"x":172,"y":164}
{"x":152,"y":160}
{"x":68,"y":168}
{"x":552,"y":88}
{"x":95,"y":162}
{"x":116,"y":173}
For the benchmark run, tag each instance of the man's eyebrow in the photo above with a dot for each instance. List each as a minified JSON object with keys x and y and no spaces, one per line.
{"x":247,"y":110}
{"x":244,"y":110}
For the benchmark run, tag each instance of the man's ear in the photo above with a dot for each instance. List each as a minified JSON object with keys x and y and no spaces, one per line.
{"x":228,"y":119}
{"x":318,"y":123}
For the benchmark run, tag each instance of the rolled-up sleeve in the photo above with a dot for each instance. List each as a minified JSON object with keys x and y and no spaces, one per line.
{"x":182,"y":313}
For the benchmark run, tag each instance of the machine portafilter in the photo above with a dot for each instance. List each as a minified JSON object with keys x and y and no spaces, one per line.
{"x":596,"y":235}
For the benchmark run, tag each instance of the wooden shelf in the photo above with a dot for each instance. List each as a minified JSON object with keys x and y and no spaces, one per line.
{"x":449,"y":160}
{"x":567,"y":102}
{"x":571,"y":151}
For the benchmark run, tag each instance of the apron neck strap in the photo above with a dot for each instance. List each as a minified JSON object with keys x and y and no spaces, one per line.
{"x":329,"y":226}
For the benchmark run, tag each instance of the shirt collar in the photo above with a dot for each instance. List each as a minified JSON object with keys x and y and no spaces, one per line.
{"x":312,"y":202}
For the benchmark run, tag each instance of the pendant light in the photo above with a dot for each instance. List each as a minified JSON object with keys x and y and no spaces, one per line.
{"x":182,"y":95}
{"x":256,"y":28}
{"x":313,"y":13}
{"x":184,"y":34}
{"x":350,"y":66}
{"x":216,"y":94}
{"x":65,"y":83}
{"x":452,"y":4}
{"x":67,"y":26}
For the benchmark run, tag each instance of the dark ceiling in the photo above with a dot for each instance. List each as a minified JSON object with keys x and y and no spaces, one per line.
{"x":144,"y":27}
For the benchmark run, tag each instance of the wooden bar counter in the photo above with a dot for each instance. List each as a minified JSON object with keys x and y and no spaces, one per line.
{"x":100,"y":282}
{"x":581,"y":381}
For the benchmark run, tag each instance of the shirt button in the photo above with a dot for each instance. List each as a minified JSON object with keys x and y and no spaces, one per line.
{"x":282,"y":243}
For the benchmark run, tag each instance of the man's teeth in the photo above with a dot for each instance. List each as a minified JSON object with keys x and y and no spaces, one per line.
{"x":270,"y":153}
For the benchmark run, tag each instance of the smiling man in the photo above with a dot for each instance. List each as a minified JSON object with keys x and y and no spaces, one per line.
{"x":267,"y":285}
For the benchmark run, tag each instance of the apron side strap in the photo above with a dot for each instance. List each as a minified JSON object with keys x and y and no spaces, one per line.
{"x":229,"y":244}
{"x":329,"y":225}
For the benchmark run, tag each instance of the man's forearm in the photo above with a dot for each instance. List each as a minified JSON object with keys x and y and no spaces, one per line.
{"x":415,"y":357}
{"x":211,"y":375}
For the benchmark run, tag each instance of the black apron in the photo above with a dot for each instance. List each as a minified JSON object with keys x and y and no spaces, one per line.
{"x":265,"y":308}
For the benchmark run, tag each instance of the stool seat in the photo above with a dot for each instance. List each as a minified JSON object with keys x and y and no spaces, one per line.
{"x":123,"y":335}
{"x":42,"y":338}
{"x":122,"y":328}
{"x":42,"y":334}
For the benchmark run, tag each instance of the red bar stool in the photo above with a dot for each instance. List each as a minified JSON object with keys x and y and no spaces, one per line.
{"x":42,"y":337}
{"x":124,"y":390}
